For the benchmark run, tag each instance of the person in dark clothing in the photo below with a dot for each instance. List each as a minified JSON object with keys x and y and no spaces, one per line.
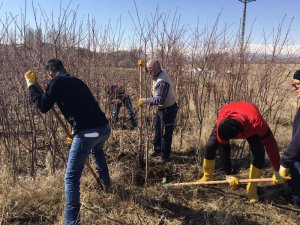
{"x":116,"y":95}
{"x":240,"y":120}
{"x":290,"y":160}
{"x":90,"y":126}
{"x":164,"y":98}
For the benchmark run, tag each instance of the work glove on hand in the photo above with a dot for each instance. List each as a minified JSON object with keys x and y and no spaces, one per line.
{"x":30,"y":77}
{"x":141,"y":102}
{"x":277,"y":179}
{"x":281,"y":176}
{"x":284,"y":173}
{"x":232,"y":180}
{"x":141,"y":63}
{"x":69,"y":140}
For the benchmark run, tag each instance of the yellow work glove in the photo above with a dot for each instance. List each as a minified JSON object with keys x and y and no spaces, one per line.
{"x":141,"y":102}
{"x":69,"y":140}
{"x":141,"y":63}
{"x":277,"y":179}
{"x":232,"y":180}
{"x":281,"y":176}
{"x":284,"y":173}
{"x":30,"y":77}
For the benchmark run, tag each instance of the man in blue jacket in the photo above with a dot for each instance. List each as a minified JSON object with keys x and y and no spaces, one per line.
{"x":290,"y":161}
{"x":90,"y":126}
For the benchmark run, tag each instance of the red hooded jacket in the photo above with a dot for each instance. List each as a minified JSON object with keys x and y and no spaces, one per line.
{"x":249,"y":116}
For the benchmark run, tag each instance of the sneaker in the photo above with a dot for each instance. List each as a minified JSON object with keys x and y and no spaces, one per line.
{"x":155,"y":154}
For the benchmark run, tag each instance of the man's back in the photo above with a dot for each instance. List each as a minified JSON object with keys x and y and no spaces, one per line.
{"x":75,"y":101}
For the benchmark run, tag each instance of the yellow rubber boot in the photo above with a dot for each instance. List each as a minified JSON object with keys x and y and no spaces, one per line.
{"x":208,"y":169}
{"x":252,"y":187}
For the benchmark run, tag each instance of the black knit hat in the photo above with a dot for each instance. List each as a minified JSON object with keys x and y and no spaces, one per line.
{"x":297,"y":75}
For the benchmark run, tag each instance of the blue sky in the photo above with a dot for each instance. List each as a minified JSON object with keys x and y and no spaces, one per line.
{"x":264,"y":15}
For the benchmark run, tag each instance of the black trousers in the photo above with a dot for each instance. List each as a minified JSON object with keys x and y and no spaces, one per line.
{"x":256,"y":147}
{"x":164,"y":127}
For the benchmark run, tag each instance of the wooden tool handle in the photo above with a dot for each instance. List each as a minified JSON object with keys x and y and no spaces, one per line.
{"x":241,"y":181}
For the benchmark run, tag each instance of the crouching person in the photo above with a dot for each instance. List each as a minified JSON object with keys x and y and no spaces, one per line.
{"x":240,"y":120}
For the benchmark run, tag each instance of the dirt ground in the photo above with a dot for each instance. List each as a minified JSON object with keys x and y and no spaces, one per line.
{"x":209,"y":204}
{"x":41,"y":201}
{"x":131,"y":201}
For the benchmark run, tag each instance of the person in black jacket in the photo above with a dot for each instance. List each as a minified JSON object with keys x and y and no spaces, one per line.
{"x":90,"y":126}
{"x":290,"y":161}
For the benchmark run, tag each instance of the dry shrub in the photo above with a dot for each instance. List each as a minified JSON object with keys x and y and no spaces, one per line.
{"x":31,"y":188}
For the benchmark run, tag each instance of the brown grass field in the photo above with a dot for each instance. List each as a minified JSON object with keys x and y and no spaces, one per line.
{"x":33,"y":146}
{"x":40,"y":199}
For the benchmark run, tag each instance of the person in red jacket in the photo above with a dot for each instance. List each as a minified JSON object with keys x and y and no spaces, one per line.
{"x":240,"y":120}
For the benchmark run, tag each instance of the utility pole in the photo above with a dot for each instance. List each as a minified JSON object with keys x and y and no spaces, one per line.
{"x":242,"y":37}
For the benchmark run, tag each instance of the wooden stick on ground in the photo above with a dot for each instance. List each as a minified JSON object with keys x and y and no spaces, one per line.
{"x":241,"y":181}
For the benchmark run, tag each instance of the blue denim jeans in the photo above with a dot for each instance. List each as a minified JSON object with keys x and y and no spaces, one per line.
{"x":84,"y":143}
